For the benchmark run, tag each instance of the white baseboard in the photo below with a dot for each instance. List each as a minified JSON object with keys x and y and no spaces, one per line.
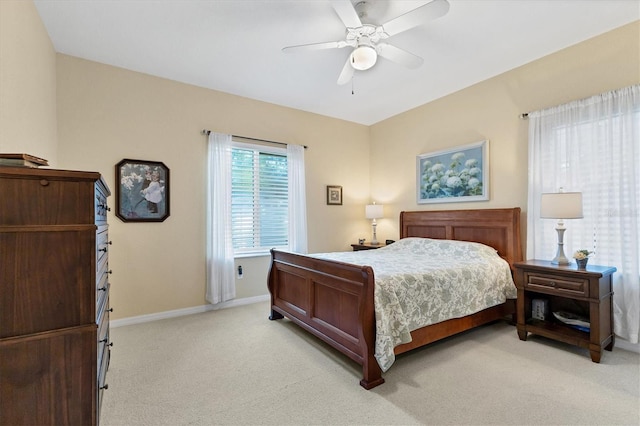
{"x":187,"y":311}
{"x":627,"y":346}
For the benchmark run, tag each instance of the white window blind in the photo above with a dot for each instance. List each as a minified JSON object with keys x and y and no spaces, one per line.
{"x":259,"y":199}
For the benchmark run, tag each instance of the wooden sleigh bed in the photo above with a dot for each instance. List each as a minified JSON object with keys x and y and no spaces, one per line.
{"x":335,"y":301}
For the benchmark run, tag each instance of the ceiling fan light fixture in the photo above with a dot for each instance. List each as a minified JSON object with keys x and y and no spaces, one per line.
{"x":363,"y":57}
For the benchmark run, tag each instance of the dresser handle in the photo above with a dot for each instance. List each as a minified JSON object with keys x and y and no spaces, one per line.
{"x":109,"y":271}
{"x":102,"y":289}
{"x":109,"y":242}
{"x":552,"y":283}
{"x":110,"y":344}
{"x":103,"y":340}
{"x":110,"y":309}
{"x":105,"y":387}
{"x":103,"y":249}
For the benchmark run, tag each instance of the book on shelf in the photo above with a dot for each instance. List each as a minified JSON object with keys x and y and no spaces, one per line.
{"x":22,"y":160}
{"x":573,"y":320}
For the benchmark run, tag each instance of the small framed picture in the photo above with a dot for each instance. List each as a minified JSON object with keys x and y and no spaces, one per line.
{"x":142,"y":191}
{"x":334,"y":195}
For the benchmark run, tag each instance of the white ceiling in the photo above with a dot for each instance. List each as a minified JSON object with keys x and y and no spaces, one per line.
{"x":234,"y":46}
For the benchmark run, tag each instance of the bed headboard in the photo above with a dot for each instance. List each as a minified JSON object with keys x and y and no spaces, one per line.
{"x":498,"y":228}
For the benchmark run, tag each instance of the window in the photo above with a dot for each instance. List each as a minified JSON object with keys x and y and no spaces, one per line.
{"x":259,"y":198}
{"x":591,"y":146}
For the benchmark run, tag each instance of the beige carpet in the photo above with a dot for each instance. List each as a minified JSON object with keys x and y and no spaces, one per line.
{"x":234,"y":366}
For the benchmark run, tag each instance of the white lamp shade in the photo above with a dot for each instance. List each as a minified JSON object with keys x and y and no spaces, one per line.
{"x":373,"y":211}
{"x":363,"y":58}
{"x":561,"y":205}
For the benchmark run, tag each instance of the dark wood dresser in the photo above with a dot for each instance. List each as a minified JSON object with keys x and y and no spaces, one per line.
{"x":54,"y":296}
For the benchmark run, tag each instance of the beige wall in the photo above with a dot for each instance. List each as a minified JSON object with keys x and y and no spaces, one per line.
{"x":107,"y":114}
{"x":27,"y":83}
{"x":490,"y":110}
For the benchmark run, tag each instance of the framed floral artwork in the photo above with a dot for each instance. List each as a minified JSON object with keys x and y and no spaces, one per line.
{"x":454,"y":175}
{"x":142,"y":191}
{"x":334,"y":195}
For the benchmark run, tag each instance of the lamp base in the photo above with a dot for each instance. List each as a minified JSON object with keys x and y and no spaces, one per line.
{"x":561,"y":258}
{"x":374,"y":240}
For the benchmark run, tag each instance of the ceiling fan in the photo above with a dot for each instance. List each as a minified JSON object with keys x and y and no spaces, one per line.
{"x":367,"y":40}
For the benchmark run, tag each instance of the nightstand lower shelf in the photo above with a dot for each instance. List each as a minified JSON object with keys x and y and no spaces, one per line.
{"x":566,"y":334}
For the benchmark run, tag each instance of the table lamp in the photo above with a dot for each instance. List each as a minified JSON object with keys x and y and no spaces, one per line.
{"x":374,"y":211}
{"x":561,"y":205}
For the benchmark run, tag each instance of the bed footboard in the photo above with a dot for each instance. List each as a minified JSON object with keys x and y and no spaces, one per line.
{"x":331,"y":300}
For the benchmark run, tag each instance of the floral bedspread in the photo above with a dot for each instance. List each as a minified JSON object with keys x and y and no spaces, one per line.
{"x":422,"y":281}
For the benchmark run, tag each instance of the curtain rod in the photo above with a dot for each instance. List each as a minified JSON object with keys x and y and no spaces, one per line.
{"x":208,"y":132}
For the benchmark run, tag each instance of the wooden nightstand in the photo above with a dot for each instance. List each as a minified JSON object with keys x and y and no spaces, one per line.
{"x":586,"y":292}
{"x":366,"y":246}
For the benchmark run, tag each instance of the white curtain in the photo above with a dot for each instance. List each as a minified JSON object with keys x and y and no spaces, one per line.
{"x":592,"y":146}
{"x":297,"y":199}
{"x":220,"y":262}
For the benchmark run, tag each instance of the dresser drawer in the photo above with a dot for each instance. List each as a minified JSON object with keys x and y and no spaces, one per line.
{"x":102,"y":248}
{"x":103,"y":350}
{"x":42,"y":199}
{"x":101,"y":207}
{"x":556,"y":285}
{"x":102,"y":378}
{"x":102,"y":290}
{"x":47,"y":378}
{"x":103,"y":312}
{"x":103,"y":347}
{"x":43,"y":284}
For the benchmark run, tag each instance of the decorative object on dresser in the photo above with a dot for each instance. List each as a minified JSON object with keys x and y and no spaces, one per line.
{"x":454,"y":175}
{"x":582,"y":257}
{"x":374,"y":211}
{"x":334,"y":195}
{"x":335,"y":300}
{"x":22,"y":160}
{"x":561,"y":205}
{"x":54,"y":296}
{"x":571,"y":294}
{"x":142,"y":191}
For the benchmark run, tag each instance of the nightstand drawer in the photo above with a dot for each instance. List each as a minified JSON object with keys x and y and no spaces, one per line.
{"x":552,"y":284}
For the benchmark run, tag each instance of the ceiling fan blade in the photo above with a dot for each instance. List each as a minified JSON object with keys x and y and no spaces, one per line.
{"x":419,"y":16}
{"x":316,"y":46}
{"x":398,"y":55}
{"x":347,"y":72}
{"x":347,"y":13}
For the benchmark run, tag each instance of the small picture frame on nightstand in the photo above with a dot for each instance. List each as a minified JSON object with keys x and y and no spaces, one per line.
{"x":540,"y":309}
